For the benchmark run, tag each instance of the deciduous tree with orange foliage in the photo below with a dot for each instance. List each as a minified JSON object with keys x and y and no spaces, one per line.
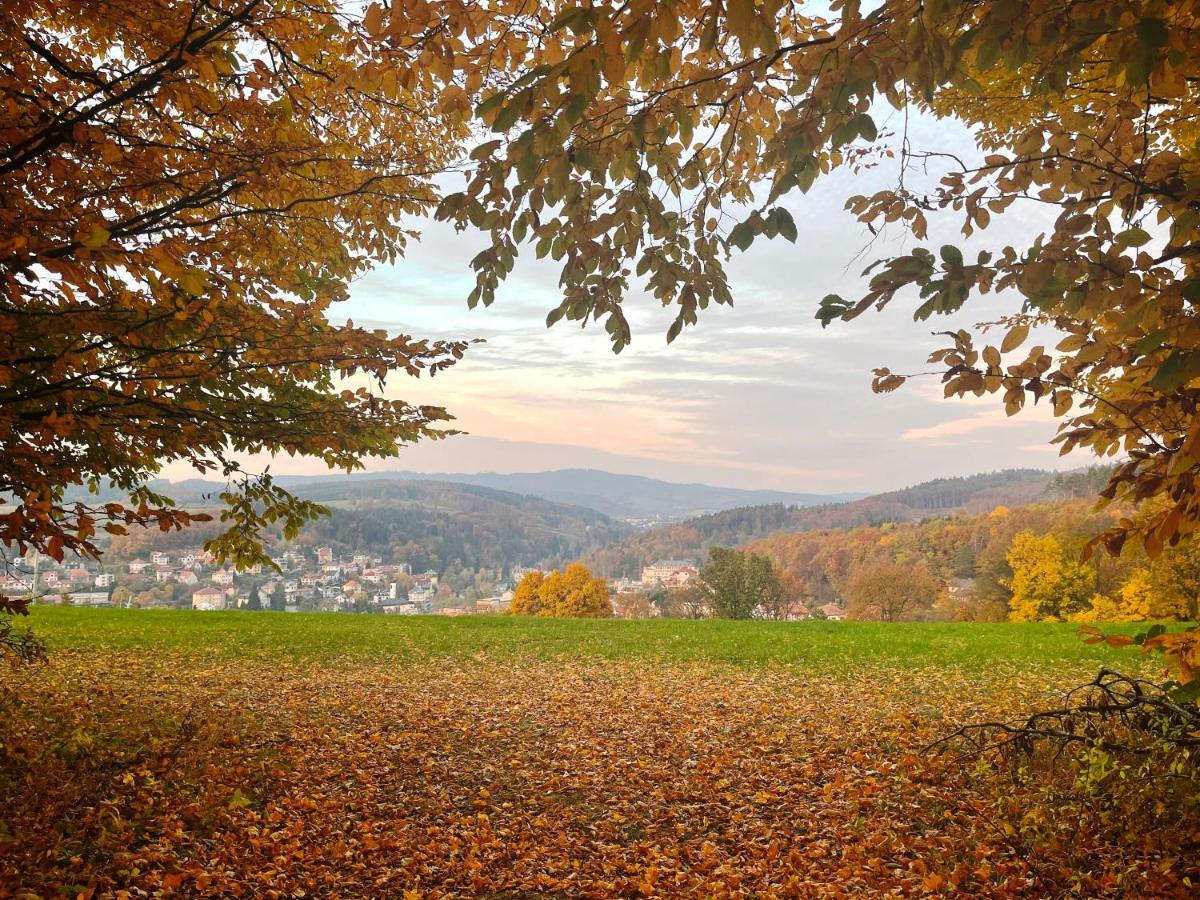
{"x":574,"y":592}
{"x":188,"y":188}
{"x":890,"y":591}
{"x":632,"y":140}
{"x":526,"y":599}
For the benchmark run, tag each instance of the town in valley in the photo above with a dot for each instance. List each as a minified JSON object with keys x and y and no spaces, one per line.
{"x":317,"y":581}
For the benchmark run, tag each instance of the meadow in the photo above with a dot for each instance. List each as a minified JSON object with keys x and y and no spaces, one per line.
{"x":265,"y":754}
{"x":817,"y":645}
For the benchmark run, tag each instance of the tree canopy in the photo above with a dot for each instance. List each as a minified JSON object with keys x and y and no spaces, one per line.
{"x":889,"y":591}
{"x":741,"y":585}
{"x":239,"y":161}
{"x":188,"y":189}
{"x":1045,"y":584}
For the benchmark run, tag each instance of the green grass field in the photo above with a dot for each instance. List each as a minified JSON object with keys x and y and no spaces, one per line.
{"x":822,"y":646}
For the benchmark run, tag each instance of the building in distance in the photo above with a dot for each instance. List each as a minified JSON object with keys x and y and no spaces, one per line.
{"x":208,"y":598}
{"x":669,"y":573}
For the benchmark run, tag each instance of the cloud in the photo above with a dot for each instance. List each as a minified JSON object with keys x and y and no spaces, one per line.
{"x":949,"y":433}
{"x":1047,"y":449}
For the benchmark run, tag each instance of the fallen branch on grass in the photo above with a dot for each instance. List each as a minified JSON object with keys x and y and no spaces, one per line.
{"x":1143,"y":710}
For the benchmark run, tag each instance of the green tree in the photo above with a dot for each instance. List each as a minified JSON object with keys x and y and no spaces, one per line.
{"x":741,"y":585}
{"x":179,"y":594}
{"x":279,"y":598}
{"x":964,"y":562}
{"x":254,"y":601}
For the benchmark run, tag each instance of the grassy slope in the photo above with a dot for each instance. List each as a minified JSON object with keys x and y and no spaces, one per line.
{"x":822,"y":646}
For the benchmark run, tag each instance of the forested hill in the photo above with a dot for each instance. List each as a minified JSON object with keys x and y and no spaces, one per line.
{"x":432,"y":526}
{"x":972,"y":493}
{"x":435,"y":525}
{"x":691,"y":539}
{"x":632,"y":497}
{"x":617,"y":495}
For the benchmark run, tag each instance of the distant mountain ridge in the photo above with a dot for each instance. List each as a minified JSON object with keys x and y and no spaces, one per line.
{"x":439,"y":522}
{"x":690,"y":539}
{"x":628,"y":497}
{"x":624,"y":496}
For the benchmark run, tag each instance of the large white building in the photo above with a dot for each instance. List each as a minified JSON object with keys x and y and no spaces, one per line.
{"x":669,"y":573}
{"x":422,"y":598}
{"x":208,"y":598}
{"x":400,"y":608}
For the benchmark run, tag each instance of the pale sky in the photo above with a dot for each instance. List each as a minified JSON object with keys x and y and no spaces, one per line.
{"x":756,"y":396}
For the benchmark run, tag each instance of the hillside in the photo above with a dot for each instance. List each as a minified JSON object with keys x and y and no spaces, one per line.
{"x":973,"y":493}
{"x":435,"y":525}
{"x":430,"y":525}
{"x":630,"y":497}
{"x":972,"y":548}
{"x":692,"y":538}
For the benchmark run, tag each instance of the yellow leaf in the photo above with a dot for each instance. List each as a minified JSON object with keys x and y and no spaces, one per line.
{"x":97,"y":237}
{"x":1015,"y":337}
{"x":193,"y":282}
{"x":740,"y":13}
